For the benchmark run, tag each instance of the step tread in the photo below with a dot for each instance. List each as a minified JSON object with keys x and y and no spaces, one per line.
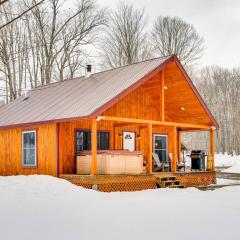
{"x":177,"y":186}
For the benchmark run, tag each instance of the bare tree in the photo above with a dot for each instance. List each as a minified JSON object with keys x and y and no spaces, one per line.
{"x":19,"y":15}
{"x":220,"y":89}
{"x":3,"y":1}
{"x":175,"y":36}
{"x":12,"y":54}
{"x":61,"y":33}
{"x":48,"y":44}
{"x":125,"y":41}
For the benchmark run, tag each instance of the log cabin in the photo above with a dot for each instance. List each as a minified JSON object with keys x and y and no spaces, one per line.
{"x":105,"y":130}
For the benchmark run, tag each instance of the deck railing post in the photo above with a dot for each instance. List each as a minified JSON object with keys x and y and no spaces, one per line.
{"x":150,"y":140}
{"x":174,"y":157}
{"x":94,"y":146}
{"x":212,"y":146}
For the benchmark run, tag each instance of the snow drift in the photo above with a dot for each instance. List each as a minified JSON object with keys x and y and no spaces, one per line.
{"x":42,"y":208}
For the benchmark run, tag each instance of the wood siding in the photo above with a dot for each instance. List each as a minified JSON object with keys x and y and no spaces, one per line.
{"x":142,"y":103}
{"x":11,"y":151}
{"x":145,"y":101}
{"x":67,"y":140}
{"x":138,"y":104}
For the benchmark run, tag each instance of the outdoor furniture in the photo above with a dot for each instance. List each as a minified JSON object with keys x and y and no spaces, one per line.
{"x":180,"y":165}
{"x":157,"y":165}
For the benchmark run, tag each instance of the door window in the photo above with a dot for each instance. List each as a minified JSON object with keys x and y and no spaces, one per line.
{"x":160,"y":147}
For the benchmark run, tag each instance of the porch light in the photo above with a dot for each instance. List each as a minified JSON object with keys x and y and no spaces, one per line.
{"x":182,"y":108}
{"x":120,"y":135}
{"x":138,"y":136}
{"x":99,"y":118}
{"x":165,"y":87}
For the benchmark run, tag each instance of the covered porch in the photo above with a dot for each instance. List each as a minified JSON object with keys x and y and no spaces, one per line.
{"x":146,"y":142}
{"x":146,"y":177}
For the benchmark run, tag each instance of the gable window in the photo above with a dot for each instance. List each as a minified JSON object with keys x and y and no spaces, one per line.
{"x":29,"y":157}
{"x":83,"y":140}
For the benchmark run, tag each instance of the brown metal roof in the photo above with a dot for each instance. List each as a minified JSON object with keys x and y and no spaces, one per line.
{"x":76,"y":98}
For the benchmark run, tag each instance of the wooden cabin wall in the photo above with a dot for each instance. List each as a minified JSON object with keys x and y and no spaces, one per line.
{"x":11,"y":151}
{"x":179,"y":94}
{"x":67,"y":162}
{"x":142,"y":140}
{"x":137,"y":104}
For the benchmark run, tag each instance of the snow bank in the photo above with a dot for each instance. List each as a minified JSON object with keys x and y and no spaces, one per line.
{"x":42,"y":208}
{"x":232,"y":162}
{"x":223,"y":181}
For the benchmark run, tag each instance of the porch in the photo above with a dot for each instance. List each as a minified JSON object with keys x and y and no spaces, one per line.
{"x":118,"y":183}
{"x":146,"y":138}
{"x":145,"y":178}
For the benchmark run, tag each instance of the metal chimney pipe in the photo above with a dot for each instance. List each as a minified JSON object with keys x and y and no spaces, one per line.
{"x":89,"y":70}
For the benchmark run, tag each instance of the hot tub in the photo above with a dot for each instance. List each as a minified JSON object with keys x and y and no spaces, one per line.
{"x":111,"y":162}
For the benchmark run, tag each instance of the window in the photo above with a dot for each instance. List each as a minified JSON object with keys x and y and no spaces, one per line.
{"x":83,"y":140}
{"x":29,"y":149}
{"x":160,"y":147}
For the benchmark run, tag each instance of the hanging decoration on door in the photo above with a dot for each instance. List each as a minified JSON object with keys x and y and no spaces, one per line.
{"x":128,"y":136}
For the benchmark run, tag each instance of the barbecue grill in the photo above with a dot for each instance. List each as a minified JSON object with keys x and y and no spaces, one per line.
{"x":198,"y":160}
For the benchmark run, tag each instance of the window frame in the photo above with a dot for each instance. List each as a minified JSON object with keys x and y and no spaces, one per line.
{"x":35,"y":143}
{"x":89,"y":130}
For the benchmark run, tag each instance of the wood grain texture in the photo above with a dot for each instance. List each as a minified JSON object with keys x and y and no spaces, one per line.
{"x":212,"y":146}
{"x":146,"y":102}
{"x":150,"y":146}
{"x":67,"y":131}
{"x":11,"y":151}
{"x":94,"y":146}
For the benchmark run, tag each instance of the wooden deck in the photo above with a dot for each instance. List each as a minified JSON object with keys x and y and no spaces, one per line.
{"x":119,"y":183}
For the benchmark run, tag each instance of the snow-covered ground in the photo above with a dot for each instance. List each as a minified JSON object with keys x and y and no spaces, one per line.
{"x":223,"y":181}
{"x":230,"y":163}
{"x":42,"y":208}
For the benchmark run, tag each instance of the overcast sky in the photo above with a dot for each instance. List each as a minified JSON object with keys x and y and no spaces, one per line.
{"x":217,"y":21}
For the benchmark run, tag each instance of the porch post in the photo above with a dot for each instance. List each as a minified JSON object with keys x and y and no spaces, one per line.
{"x":212,"y":146}
{"x":94,"y":146}
{"x":174,"y":158}
{"x":150,"y":140}
{"x":162,"y":100}
{"x":179,"y":145}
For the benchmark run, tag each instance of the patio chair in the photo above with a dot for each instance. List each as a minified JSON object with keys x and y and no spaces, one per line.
{"x":179,"y":165}
{"x":157,"y":165}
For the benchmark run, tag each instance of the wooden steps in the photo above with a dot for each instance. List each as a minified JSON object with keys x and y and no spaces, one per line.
{"x":168,"y":182}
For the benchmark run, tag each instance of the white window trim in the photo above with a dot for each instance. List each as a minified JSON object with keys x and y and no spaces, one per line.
{"x":35,"y":143}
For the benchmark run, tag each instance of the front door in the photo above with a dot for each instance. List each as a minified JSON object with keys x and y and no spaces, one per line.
{"x":160,"y":143}
{"x":129,"y":141}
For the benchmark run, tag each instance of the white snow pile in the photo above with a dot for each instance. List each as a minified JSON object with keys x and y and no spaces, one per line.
{"x":42,"y":208}
{"x":231,"y":163}
{"x":223,"y":181}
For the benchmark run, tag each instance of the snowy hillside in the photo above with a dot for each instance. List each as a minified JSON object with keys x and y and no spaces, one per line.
{"x":42,"y":208}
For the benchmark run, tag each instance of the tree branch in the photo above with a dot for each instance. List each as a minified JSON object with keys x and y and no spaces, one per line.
{"x":20,"y":15}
